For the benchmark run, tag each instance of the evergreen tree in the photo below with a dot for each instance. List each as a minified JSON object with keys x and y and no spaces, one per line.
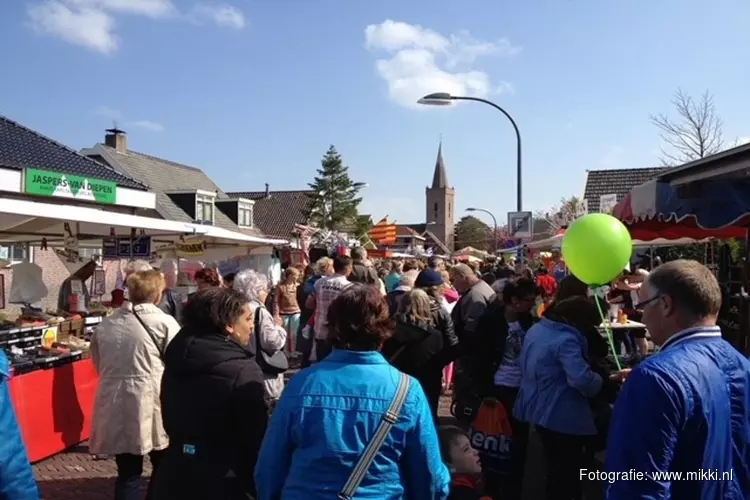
{"x":335,"y":200}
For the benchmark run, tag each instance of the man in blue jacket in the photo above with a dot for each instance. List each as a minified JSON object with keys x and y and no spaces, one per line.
{"x":681,"y":425}
{"x":16,"y":478}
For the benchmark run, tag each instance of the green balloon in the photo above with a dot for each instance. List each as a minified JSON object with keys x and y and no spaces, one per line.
{"x":597,"y":248}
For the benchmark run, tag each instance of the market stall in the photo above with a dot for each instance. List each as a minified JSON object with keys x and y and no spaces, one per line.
{"x":53,"y":380}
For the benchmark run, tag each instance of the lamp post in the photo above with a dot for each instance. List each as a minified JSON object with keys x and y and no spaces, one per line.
{"x":494,"y":221}
{"x":445,"y":99}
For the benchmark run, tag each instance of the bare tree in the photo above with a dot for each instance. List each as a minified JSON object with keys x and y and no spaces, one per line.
{"x":563,"y":215}
{"x":695,"y":133}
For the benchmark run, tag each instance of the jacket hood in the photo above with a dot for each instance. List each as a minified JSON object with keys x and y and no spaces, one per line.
{"x":407,"y":332}
{"x":196,"y":352}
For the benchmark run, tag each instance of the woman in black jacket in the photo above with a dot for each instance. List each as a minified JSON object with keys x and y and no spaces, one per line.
{"x":213,"y":404}
{"x":416,"y":345}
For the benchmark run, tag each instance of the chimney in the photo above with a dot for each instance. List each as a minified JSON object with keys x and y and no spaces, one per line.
{"x":268,"y":191}
{"x":116,"y":139}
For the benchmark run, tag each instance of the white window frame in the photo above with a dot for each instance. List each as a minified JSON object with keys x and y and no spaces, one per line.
{"x":245,"y":214}
{"x":21,"y":246}
{"x":201,"y":200}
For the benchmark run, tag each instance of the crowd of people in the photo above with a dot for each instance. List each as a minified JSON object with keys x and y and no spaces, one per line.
{"x":201,"y":390}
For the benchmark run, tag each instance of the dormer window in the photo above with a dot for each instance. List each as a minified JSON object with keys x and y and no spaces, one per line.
{"x":204,"y":207}
{"x":244,"y":214}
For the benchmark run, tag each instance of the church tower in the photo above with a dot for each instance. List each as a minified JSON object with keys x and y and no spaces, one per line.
{"x":440,"y":200}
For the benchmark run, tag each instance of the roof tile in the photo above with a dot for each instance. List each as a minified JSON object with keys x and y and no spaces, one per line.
{"x":617,"y":181}
{"x":21,"y":147}
{"x":277,"y":212}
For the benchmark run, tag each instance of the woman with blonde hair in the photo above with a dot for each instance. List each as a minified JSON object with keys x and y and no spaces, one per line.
{"x":417,"y":345}
{"x":127,"y":349}
{"x":270,"y":335}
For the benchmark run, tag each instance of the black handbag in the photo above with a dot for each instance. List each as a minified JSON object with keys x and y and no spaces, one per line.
{"x":271,"y":364}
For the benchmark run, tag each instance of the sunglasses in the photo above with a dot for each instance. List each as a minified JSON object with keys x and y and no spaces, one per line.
{"x":646,"y":302}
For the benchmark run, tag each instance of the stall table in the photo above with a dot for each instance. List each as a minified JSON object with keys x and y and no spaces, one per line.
{"x":54,"y":406}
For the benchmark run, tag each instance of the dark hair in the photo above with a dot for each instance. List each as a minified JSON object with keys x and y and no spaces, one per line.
{"x":211,"y":310}
{"x":691,"y":285}
{"x":359,"y":319}
{"x":504,"y":272}
{"x":519,"y":289}
{"x":433,"y":262}
{"x":448,"y":435}
{"x":208,"y":276}
{"x":570,"y":286}
{"x":229,"y":277}
{"x":359,"y":253}
{"x":579,"y":312}
{"x":341,"y":262}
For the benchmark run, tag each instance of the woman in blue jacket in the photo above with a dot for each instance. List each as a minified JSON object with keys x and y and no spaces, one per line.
{"x":330,"y":413}
{"x":557,"y":382}
{"x":16,"y":478}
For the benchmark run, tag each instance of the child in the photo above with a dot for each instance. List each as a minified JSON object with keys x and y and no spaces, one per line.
{"x":463,"y":462}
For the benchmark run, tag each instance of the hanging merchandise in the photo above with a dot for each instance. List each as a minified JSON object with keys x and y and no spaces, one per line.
{"x":27,"y":285}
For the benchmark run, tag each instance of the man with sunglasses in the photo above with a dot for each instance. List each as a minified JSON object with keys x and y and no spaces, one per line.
{"x":684,"y":410}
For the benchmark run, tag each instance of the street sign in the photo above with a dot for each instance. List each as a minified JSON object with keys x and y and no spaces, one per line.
{"x":520,"y":225}
{"x":120,"y":248}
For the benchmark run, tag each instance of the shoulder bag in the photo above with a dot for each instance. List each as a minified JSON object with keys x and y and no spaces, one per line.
{"x":161,"y":348}
{"x":270,"y":364}
{"x":389,"y":419}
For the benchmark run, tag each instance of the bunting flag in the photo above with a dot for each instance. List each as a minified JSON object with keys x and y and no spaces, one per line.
{"x":383,"y":233}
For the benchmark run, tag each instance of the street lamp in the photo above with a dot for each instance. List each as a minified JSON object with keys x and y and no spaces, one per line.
{"x":494,"y":221}
{"x":445,"y":99}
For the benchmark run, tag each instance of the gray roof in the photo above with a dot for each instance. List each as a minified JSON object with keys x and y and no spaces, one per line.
{"x":21,"y":147}
{"x":162,"y":176}
{"x":617,"y":181}
{"x":440,"y":176}
{"x":277,"y":212}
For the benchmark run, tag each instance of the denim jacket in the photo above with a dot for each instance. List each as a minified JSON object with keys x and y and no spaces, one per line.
{"x":325,"y":419}
{"x":556,"y":380}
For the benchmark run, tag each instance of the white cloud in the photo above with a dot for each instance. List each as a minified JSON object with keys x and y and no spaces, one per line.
{"x":146,"y":125}
{"x":421,"y":61}
{"x":86,"y":27}
{"x":116,"y":115}
{"x":148,"y":8}
{"x":222,"y":15}
{"x":91,"y":23}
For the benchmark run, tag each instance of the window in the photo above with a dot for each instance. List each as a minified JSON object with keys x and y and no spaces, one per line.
{"x":245,"y":215}
{"x":204,"y":208}
{"x":16,"y":253}
{"x":435,"y":208}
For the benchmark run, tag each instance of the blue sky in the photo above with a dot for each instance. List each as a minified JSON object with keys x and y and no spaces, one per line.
{"x":255,"y":91}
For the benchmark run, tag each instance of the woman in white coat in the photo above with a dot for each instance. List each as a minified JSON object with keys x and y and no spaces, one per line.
{"x":127,"y":350}
{"x":272,"y":336}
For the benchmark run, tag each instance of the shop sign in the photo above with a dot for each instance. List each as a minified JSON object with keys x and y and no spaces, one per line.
{"x":190,"y":247}
{"x":607,"y":203}
{"x":121,"y":247}
{"x":59,"y":185}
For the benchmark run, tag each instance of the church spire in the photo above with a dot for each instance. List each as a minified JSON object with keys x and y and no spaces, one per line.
{"x":440,"y":177}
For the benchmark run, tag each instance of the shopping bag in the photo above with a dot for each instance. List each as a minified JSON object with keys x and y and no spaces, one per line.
{"x":491,"y":434}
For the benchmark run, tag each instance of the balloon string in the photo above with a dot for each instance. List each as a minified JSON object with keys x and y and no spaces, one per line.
{"x":608,"y":330}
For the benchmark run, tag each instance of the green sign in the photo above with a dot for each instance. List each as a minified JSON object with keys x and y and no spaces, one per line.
{"x":58,"y":185}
